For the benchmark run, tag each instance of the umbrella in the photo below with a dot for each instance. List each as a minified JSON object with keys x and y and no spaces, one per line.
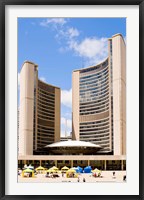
{"x":71,"y":171}
{"x":50,"y":170}
{"x":27,"y":170}
{"x":54,"y":167}
{"x":79,"y":169}
{"x":76,"y":169}
{"x":97,"y":171}
{"x":87,"y":169}
{"x":65,"y":168}
{"x":40,"y":168}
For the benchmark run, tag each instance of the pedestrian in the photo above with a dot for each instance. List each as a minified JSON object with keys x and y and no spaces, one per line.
{"x":84,"y":180}
{"x":78,"y":179}
{"x":124,"y":178}
{"x":114,"y":175}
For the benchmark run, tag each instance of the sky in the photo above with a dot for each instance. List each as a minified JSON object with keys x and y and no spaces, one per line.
{"x":61,"y":45}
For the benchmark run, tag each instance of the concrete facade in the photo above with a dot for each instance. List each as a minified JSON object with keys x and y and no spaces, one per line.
{"x":39,"y":123}
{"x":119,"y":94}
{"x":26,"y":109}
{"x":75,"y":105}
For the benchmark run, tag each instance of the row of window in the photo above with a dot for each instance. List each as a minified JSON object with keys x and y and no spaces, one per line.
{"x":95,"y":122}
{"x":45,"y":117}
{"x":47,"y":123}
{"x":49,"y":110}
{"x":46,"y":101}
{"x":96,"y":102}
{"x":42,"y":126}
{"x":45,"y":131}
{"x":45,"y":136}
{"x":88,"y":85}
{"x":94,"y":93}
{"x":94,"y":106}
{"x":104,"y":64}
{"x":94,"y":75}
{"x":102,"y":125}
{"x":95,"y":131}
{"x":46,"y":92}
{"x":95,"y":136}
{"x":93,"y":98}
{"x":46,"y":114}
{"x":46,"y":95}
{"x":46,"y":106}
{"x":94,"y":112}
{"x":94,"y":80}
{"x":94,"y":88}
{"x":102,"y":144}
{"x":98,"y":107}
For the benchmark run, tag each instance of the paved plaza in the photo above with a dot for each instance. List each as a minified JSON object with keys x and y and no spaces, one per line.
{"x":106,"y":176}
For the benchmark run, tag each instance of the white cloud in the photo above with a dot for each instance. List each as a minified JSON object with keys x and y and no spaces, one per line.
{"x":90,"y":47}
{"x":72,"y":32}
{"x":66,"y":97}
{"x":93,"y":50}
{"x":43,"y":79}
{"x":54,"y":22}
{"x":67,"y":34}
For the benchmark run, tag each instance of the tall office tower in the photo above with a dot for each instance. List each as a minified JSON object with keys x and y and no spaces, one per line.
{"x":39,"y":123}
{"x":99,"y":101}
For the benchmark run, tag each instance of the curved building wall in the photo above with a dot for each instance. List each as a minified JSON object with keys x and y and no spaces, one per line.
{"x":94,"y":105}
{"x":45,"y":114}
{"x":48,"y":114}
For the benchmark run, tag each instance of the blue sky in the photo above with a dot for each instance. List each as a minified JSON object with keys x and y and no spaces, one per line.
{"x":61,"y":45}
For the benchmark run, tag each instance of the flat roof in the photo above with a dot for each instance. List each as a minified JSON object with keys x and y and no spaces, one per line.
{"x":30,"y":62}
{"x":117,"y":34}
